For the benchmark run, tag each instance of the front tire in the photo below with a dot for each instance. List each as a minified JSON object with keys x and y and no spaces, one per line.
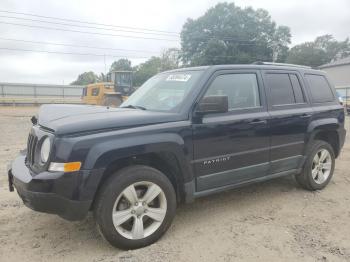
{"x":318,"y":168}
{"x":135,"y":207}
{"x":112,"y":101}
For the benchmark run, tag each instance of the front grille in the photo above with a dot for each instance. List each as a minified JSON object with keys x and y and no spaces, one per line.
{"x":31,"y":147}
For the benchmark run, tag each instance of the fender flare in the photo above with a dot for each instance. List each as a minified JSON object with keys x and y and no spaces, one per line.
{"x":320,"y":125}
{"x":104,"y":153}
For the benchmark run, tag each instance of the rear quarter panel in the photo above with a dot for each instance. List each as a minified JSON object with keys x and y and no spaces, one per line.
{"x":328,"y":116}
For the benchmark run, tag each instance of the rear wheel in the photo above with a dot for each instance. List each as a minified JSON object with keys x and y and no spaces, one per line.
{"x":319,"y":166}
{"x":135,"y":207}
{"x":112,"y":101}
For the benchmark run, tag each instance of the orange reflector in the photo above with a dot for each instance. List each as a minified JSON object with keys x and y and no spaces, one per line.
{"x":72,"y":166}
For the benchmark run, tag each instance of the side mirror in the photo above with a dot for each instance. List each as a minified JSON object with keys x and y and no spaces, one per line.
{"x":212,"y":104}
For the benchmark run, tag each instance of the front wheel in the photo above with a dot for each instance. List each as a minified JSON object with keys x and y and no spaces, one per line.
{"x":319,"y":166}
{"x":112,"y":101}
{"x":135,"y":207}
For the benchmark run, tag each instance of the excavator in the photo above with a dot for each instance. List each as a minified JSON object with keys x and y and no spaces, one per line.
{"x":111,"y":93}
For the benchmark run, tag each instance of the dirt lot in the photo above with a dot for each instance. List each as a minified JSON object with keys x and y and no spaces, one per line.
{"x":272,"y":221}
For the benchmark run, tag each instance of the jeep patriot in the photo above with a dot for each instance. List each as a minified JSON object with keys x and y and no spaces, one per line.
{"x":183,"y":134}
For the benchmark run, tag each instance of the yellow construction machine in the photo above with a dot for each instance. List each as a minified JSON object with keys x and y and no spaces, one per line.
{"x":111,"y":93}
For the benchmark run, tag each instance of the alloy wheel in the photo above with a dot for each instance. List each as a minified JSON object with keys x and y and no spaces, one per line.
{"x":139,"y":210}
{"x":321,"y":166}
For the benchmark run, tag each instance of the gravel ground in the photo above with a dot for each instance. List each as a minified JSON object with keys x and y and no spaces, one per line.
{"x":272,"y":221}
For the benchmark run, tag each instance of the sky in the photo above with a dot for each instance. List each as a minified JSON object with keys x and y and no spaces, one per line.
{"x":307,"y":20}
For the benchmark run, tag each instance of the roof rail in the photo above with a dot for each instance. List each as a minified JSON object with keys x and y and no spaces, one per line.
{"x":280,"y":64}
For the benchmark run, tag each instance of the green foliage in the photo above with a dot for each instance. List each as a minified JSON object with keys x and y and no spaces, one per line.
{"x":227,"y":34}
{"x":123,"y":64}
{"x":168,"y":60}
{"x":321,"y":51}
{"x":146,"y":70}
{"x":86,"y":78}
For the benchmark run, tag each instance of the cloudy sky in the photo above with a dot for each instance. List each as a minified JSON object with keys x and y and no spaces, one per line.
{"x":307,"y":19}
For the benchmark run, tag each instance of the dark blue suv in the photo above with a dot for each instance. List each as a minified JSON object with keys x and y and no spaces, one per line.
{"x":184,"y":134}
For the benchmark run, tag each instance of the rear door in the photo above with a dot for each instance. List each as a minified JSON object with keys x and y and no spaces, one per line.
{"x":291,"y":114}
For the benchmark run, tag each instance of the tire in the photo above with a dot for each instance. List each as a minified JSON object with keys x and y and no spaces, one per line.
{"x":112,"y":101}
{"x":112,"y":201}
{"x":311,"y":178}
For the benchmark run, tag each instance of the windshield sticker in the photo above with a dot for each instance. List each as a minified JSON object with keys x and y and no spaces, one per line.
{"x":178,"y":77}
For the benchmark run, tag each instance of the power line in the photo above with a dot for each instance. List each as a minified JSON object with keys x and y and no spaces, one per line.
{"x":239,"y":42}
{"x":87,"y":54}
{"x":80,"y":46}
{"x":67,"y":53}
{"x":85,"y":32}
{"x":137,"y":32}
{"x":87,"y":22}
{"x":84,"y":26}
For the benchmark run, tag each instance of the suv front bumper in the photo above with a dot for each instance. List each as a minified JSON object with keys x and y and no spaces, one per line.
{"x":68,"y":195}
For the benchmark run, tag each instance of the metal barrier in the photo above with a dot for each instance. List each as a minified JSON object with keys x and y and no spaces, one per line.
{"x":16,"y":93}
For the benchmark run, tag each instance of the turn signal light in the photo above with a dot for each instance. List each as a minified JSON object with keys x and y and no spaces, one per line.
{"x":65,"y":167}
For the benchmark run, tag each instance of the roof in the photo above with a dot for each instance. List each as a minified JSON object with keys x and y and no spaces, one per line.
{"x":340,"y":62}
{"x":266,"y":66}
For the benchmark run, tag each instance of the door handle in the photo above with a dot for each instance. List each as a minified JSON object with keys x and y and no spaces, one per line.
{"x":257,"y":122}
{"x":305,"y":115}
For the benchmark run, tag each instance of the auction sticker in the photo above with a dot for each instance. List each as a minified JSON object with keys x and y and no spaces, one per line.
{"x":178,"y":77}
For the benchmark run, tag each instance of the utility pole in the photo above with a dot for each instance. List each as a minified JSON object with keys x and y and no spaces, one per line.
{"x":104,"y":60}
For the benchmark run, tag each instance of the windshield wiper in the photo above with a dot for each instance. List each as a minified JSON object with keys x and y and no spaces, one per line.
{"x":134,"y":107}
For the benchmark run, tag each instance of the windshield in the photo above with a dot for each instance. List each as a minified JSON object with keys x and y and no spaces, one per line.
{"x":164,"y":92}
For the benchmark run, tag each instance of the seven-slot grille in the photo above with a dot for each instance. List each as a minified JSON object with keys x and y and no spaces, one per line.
{"x":31,"y":146}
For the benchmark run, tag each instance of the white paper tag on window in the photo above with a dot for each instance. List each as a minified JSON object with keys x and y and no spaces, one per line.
{"x":178,"y":77}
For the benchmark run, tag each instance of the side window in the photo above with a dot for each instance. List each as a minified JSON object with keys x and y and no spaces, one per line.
{"x":95,"y":91}
{"x":242,"y":90}
{"x":298,"y":92}
{"x":320,"y":90}
{"x":281,"y":89}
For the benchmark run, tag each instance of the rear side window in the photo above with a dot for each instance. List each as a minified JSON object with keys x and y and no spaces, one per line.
{"x":281,"y":89}
{"x":320,"y":89}
{"x":298,"y":92}
{"x":285,"y":89}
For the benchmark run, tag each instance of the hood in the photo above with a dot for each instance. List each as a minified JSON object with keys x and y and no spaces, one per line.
{"x":68,"y":119}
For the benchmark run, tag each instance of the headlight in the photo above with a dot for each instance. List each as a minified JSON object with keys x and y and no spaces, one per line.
{"x":45,"y":150}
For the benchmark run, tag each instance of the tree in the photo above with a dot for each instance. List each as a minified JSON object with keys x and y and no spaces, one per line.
{"x":146,"y":70}
{"x":169,"y":59}
{"x":102,"y":78}
{"x":322,"y":50}
{"x":228,"y":34}
{"x":334,"y":49}
{"x":123,"y":64}
{"x":280,"y":44}
{"x":86,"y":78}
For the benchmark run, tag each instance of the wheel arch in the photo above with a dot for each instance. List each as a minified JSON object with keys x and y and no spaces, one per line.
{"x":164,"y":161}
{"x":325,"y":130}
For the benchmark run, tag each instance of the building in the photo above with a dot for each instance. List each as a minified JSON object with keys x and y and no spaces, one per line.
{"x":339,"y":72}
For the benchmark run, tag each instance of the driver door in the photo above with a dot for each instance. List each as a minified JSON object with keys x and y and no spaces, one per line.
{"x":233,"y":147}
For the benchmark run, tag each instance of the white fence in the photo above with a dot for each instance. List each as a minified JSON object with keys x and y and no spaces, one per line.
{"x":15,"y":93}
